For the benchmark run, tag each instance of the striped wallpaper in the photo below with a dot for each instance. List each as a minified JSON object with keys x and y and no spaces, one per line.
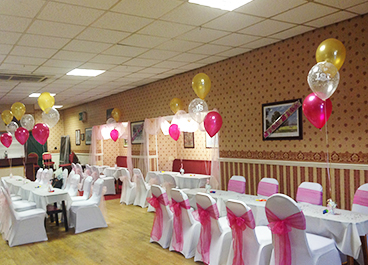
{"x":345,"y":179}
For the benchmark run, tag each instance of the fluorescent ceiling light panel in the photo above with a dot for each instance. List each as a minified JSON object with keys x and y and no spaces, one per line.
{"x":36,"y":95}
{"x":57,"y":106}
{"x":229,"y":5}
{"x":85,"y":72}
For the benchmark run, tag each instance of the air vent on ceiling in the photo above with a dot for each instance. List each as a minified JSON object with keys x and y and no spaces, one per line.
{"x":22,"y":78}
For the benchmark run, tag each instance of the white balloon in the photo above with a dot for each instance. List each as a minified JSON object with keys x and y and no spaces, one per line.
{"x":50,"y":117}
{"x":111,"y":121}
{"x":198,"y":109}
{"x":12,"y":127}
{"x":27,"y":121}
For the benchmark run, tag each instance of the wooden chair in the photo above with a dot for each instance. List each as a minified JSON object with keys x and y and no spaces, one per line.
{"x":47,"y":160}
{"x":35,"y":165}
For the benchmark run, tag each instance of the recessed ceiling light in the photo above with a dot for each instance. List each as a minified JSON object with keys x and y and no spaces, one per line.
{"x":36,"y":95}
{"x":229,"y":5}
{"x":85,"y":72}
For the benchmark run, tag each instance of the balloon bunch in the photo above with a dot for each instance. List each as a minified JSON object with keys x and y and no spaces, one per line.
{"x":116,"y":114}
{"x":323,"y":80}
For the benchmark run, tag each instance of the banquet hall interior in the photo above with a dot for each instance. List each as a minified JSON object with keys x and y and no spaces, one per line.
{"x":256,"y":56}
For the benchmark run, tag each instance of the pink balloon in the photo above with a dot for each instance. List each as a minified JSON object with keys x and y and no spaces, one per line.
{"x":6,"y":139}
{"x":21,"y":134}
{"x":314,"y":110}
{"x":114,"y":135}
{"x":212,"y":123}
{"x":174,"y":131}
{"x":41,"y":133}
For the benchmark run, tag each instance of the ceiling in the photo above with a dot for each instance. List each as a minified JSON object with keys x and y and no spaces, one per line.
{"x":139,"y":41}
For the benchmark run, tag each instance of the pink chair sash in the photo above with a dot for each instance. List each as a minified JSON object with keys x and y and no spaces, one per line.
{"x":158,"y":221}
{"x":311,"y":196}
{"x":178,"y":222}
{"x":280,"y":229}
{"x":205,"y":237}
{"x":361,"y":198}
{"x":238,"y":224}
{"x":236,"y":185}
{"x":267,"y":189}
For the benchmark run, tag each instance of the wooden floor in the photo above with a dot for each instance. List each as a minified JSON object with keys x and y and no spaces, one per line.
{"x":125,"y":241}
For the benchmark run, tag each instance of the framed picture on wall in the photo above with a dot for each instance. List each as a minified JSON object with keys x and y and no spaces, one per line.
{"x":136,"y":130}
{"x":211,"y":142}
{"x":188,"y":140}
{"x":77,"y":137}
{"x":88,"y":136}
{"x":125,"y":145}
{"x":286,"y":117}
{"x":82,"y":137}
{"x":108,"y":113}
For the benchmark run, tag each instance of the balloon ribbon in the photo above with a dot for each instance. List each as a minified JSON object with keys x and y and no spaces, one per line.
{"x":294,"y":107}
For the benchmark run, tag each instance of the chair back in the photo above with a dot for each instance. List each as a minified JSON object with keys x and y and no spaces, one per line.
{"x":88,"y":170}
{"x":360,"y":202}
{"x":97,"y":192}
{"x":87,"y":185}
{"x":179,"y":196}
{"x":95,"y":174}
{"x":64,"y":177}
{"x":39,"y":175}
{"x":137,"y":172}
{"x":205,"y":201}
{"x":125,"y":172}
{"x":237,"y":184}
{"x":46,"y":156}
{"x":9,"y":205}
{"x":153,"y":178}
{"x":267,"y":187}
{"x":310,"y":192}
{"x":45,"y":177}
{"x":67,"y":183}
{"x":73,"y":188}
{"x":79,"y":169}
{"x":170,"y":180}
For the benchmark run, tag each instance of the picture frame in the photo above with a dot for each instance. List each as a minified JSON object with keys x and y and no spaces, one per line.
{"x":290,"y":129}
{"x":82,"y":137}
{"x":188,"y":139}
{"x":136,"y":132}
{"x":125,"y":143}
{"x":211,"y":142}
{"x":88,"y":134}
{"x":108,"y":113}
{"x":77,"y":137}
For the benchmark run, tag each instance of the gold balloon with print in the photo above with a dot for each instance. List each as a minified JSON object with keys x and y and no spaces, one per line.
{"x":7,"y":116}
{"x":332,"y":51}
{"x":116,"y":113}
{"x":18,"y":109}
{"x":176,"y":104}
{"x":46,"y":101}
{"x":201,"y":85}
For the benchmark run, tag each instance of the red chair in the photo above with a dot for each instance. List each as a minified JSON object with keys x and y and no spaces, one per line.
{"x":47,"y":162}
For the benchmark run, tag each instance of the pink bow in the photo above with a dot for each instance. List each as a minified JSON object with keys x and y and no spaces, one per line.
{"x":205,"y":236}
{"x":178,"y":223}
{"x":281,"y":229}
{"x":361,"y":198}
{"x":158,"y":221}
{"x":238,"y":225}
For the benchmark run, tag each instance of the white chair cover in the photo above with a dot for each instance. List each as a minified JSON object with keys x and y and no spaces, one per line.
{"x":306,"y":249}
{"x":143,"y":189}
{"x":44,"y":177}
{"x":256,"y":240}
{"x":65,"y":177}
{"x":19,"y":205}
{"x":26,"y":227}
{"x":189,"y":226}
{"x":220,"y":231}
{"x":38,"y":175}
{"x":267,"y":187}
{"x":73,"y":188}
{"x":86,"y":215}
{"x":360,"y":202}
{"x":67,"y":182}
{"x":87,"y":185}
{"x":109,"y":182}
{"x":13,"y":197}
{"x":310,"y":192}
{"x":237,"y":184}
{"x":153,"y":178}
{"x":163,"y":214}
{"x":169,"y":183}
{"x":128,"y":188}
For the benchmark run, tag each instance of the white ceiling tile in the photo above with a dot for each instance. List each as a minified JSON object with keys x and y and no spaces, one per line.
{"x":153,"y":9}
{"x":9,"y":37}
{"x":52,"y":70}
{"x":203,"y":35}
{"x":139,"y":75}
{"x":21,"y":8}
{"x":360,"y":9}
{"x":55,"y":29}
{"x":341,"y":3}
{"x":97,"y":66}
{"x":260,"y":43}
{"x":235,"y":39}
{"x":154,"y":70}
{"x":305,"y":13}
{"x":268,"y":8}
{"x":267,"y":27}
{"x":178,"y":45}
{"x":165,"y":29}
{"x":188,"y":57}
{"x":103,"y":35}
{"x":14,"y":24}
{"x":73,"y":56}
{"x":192,"y":66}
{"x":122,"y":50}
{"x":126,"y":69}
{"x":212,"y":59}
{"x":232,"y":22}
{"x":42,"y":41}
{"x":141,"y":62}
{"x":144,"y":41}
{"x":170,"y":64}
{"x":105,"y":4}
{"x":122,"y":22}
{"x":86,"y":46}
{"x":210,"y":49}
{"x":24,"y":60}
{"x":5,"y":48}
{"x":35,"y":52}
{"x":292,"y":32}
{"x":330,"y":19}
{"x":158,"y":54}
{"x":17,"y":68}
{"x":109,"y":59}
{"x":62,"y":63}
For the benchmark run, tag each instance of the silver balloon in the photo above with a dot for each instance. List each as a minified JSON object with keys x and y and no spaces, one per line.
{"x":323,"y":79}
{"x":50,"y":117}
{"x":111,"y":121}
{"x":198,"y":109}
{"x":27,"y":121}
{"x":12,"y":127}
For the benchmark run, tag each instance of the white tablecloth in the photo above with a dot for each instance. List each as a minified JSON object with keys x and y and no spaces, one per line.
{"x":345,"y":227}
{"x":101,"y":168}
{"x":191,"y":181}
{"x":15,"y":182}
{"x":110,"y":172}
{"x":43,"y":197}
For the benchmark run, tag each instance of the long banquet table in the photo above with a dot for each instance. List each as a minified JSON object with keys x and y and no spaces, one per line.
{"x":345,"y":227}
{"x":186,"y":181}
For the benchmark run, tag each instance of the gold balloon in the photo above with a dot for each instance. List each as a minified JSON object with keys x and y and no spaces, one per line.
{"x":201,"y":85}
{"x":116,"y":113}
{"x":176,"y":105}
{"x":7,"y":116}
{"x":18,"y":109}
{"x":332,"y":51}
{"x":45,"y":101}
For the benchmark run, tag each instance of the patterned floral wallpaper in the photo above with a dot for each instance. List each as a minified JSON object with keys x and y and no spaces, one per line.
{"x":240,"y":85}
